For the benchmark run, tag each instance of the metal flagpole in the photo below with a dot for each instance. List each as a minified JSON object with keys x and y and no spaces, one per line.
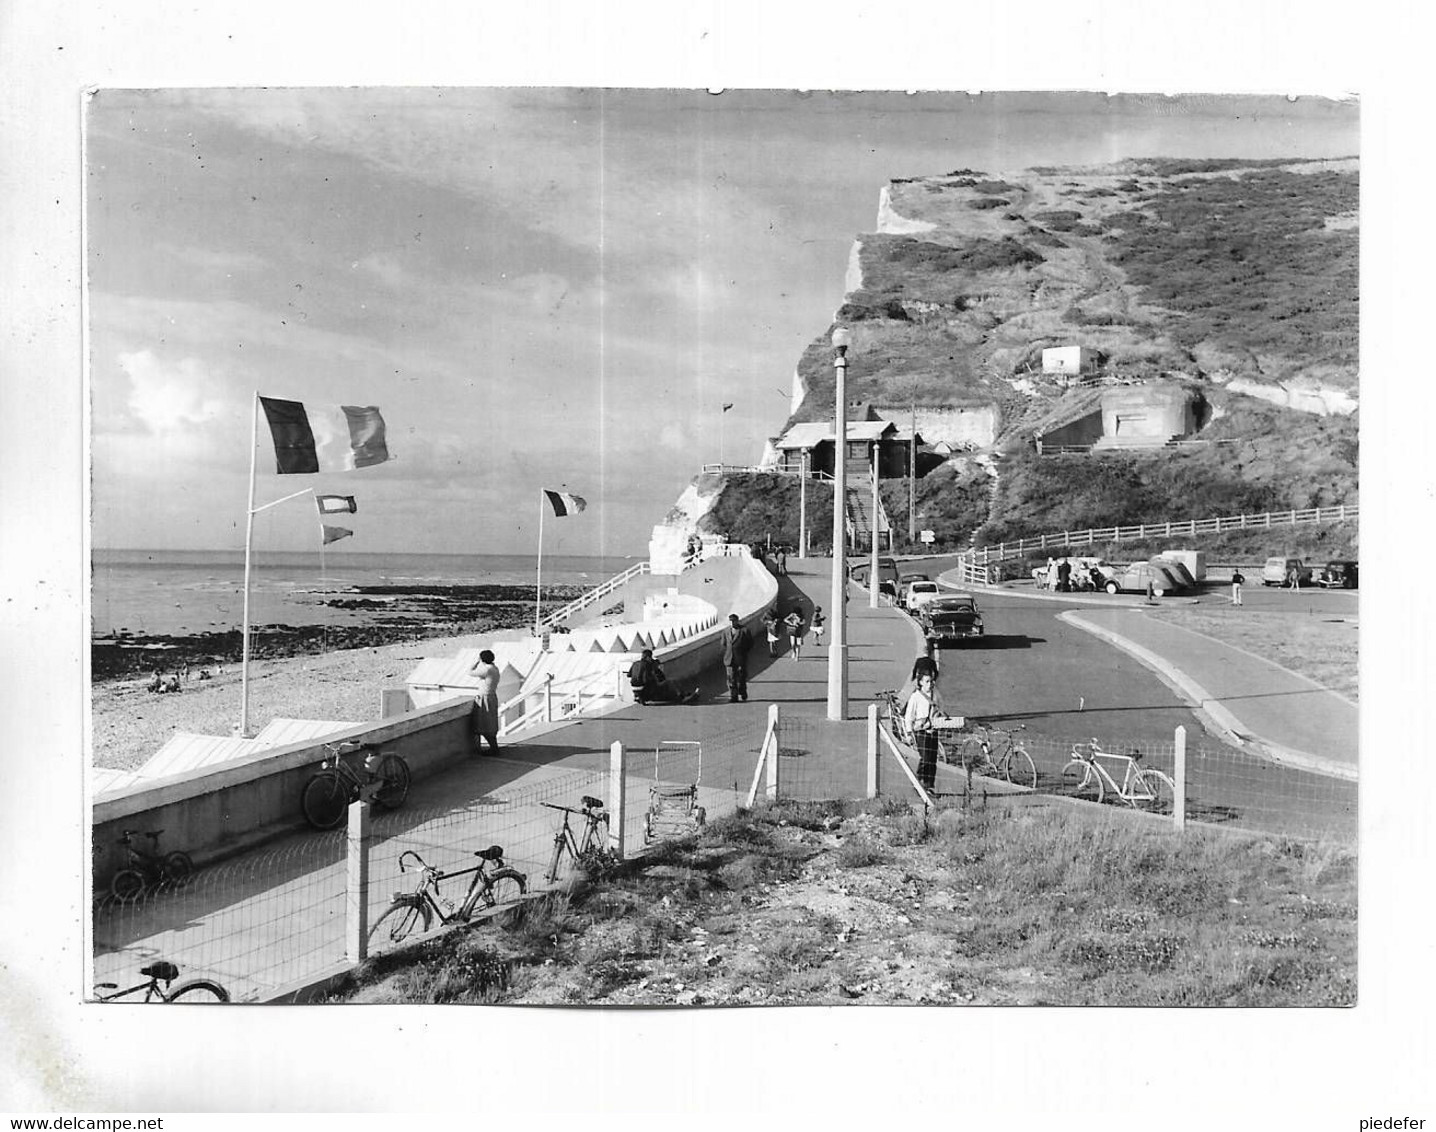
{"x":538,"y":579}
{"x":248,"y":547}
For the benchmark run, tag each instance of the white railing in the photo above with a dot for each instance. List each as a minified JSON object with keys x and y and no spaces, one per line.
{"x":768,"y":470}
{"x":1188,"y":527}
{"x":593,"y":596}
{"x":602,"y":686}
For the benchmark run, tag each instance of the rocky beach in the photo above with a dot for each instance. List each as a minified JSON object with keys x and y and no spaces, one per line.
{"x":296,"y":672}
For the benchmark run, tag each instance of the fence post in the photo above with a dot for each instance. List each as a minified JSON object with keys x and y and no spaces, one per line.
{"x":548,"y":699}
{"x":617,"y":797}
{"x":872,"y":750}
{"x":775,"y":727}
{"x":1179,"y":777}
{"x":356,"y":896}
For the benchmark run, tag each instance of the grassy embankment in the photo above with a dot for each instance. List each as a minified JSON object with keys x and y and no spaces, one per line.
{"x":871,"y":903}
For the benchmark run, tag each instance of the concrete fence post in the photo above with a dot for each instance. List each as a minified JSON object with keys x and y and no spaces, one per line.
{"x":356,"y":896}
{"x":775,"y":729}
{"x":548,"y":699}
{"x":1179,"y":778}
{"x":872,"y":750}
{"x":617,"y":797}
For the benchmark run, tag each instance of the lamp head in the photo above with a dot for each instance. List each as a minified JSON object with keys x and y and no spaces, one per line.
{"x":842,"y":338}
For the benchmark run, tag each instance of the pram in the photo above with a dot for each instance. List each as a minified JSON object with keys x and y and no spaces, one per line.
{"x":673,"y":810}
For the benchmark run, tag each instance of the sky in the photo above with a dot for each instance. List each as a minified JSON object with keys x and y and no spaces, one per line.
{"x":540,"y":287}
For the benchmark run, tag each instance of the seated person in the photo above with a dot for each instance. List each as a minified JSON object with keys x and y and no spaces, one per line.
{"x":649,"y":683}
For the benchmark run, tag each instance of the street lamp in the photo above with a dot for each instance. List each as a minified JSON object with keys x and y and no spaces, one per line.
{"x":838,"y":646}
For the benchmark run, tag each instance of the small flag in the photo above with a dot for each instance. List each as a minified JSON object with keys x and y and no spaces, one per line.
{"x":564,"y":503}
{"x":334,"y":534}
{"x":728,"y":406}
{"x":331,"y":440}
{"x":334,"y":504}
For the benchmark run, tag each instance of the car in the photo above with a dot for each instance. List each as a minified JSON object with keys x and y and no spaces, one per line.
{"x":887,"y":575}
{"x":1340,"y":574}
{"x":906,"y":580}
{"x":1080,"y":577}
{"x":950,"y":617}
{"x":1277,"y":571}
{"x":919,"y":594}
{"x":1134,"y":579}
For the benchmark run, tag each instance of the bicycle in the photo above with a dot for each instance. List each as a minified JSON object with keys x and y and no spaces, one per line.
{"x":590,"y":849}
{"x":992,"y":751}
{"x":1143,"y":788}
{"x":163,"y":971}
{"x":331,"y":789}
{"x":494,"y":883}
{"x":148,"y":869}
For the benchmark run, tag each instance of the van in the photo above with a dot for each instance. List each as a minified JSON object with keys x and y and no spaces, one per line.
{"x":1276,"y":571}
{"x":887,"y":574}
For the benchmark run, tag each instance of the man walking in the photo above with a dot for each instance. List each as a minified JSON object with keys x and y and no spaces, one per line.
{"x":736,"y":643}
{"x":1237,"y":580}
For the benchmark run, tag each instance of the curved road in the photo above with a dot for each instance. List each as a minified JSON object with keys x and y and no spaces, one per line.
{"x":1067,"y":685}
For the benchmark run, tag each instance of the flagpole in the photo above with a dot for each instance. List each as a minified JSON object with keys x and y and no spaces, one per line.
{"x":248,"y":549}
{"x":538,"y":579}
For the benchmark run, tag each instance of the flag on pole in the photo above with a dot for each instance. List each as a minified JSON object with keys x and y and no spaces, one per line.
{"x":335,"y":439}
{"x":565,"y":504}
{"x":728,"y":406}
{"x":334,"y":534}
{"x":334,"y":504}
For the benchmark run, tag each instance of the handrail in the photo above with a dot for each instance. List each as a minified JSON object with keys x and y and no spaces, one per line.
{"x":770,"y":470}
{"x":571,"y":703}
{"x":986,"y":554}
{"x":602,"y":590}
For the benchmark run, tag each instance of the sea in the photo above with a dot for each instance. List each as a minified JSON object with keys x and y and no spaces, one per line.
{"x":181,"y":592}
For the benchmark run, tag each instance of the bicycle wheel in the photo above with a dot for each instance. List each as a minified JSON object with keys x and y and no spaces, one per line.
{"x":399,"y":921}
{"x":1153,"y":791}
{"x":198,"y":990}
{"x":1018,"y":768}
{"x":394,"y":774}
{"x":325,"y":798}
{"x":559,"y":847}
{"x":505,"y":886}
{"x":1079,"y":780}
{"x":178,"y":866}
{"x":126,"y":885}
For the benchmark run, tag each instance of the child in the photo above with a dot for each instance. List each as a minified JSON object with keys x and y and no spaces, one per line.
{"x":770,"y":627}
{"x":794,"y":622}
{"x":817,"y":625}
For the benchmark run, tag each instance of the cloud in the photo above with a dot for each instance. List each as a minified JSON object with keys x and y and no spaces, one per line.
{"x":165,"y":397}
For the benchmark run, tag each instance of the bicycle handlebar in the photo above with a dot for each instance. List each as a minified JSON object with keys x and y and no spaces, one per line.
{"x":570,"y":810}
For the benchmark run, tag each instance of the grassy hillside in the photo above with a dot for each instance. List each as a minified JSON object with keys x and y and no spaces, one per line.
{"x":1203,"y":272}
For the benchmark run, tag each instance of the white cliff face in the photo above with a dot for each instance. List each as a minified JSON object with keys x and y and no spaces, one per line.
{"x":891,"y":222}
{"x":853,"y":281}
{"x":1307,"y":399}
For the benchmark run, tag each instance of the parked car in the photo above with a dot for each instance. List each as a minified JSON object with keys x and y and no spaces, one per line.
{"x":908,"y":579}
{"x":919,"y":594}
{"x":952,"y":617}
{"x":1340,"y":575}
{"x":1278,"y":570}
{"x":1081,"y":576}
{"x":1178,"y":568}
{"x":887,"y":575}
{"x":1134,"y":579}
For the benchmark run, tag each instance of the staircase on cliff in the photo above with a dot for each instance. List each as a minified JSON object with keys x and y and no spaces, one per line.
{"x":861,"y":518}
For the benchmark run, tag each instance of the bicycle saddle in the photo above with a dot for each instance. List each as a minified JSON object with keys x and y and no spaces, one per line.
{"x":592,"y":803}
{"x":164,"y":970}
{"x":492,"y":853}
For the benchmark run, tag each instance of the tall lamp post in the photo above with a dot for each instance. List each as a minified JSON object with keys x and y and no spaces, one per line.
{"x":838,"y":646}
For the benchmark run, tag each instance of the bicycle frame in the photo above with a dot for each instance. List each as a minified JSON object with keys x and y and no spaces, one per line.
{"x":428,"y":888}
{"x":565,"y":841}
{"x":1134,"y":788}
{"x":151,"y":989}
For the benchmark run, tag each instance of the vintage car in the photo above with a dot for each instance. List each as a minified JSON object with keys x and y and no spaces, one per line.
{"x":1340,"y":575}
{"x":1277,"y":571}
{"x":887,"y":575}
{"x":918,"y":594}
{"x":951,"y":617}
{"x":1134,"y":579}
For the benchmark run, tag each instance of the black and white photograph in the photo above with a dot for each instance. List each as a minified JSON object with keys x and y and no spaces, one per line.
{"x":885,"y":558}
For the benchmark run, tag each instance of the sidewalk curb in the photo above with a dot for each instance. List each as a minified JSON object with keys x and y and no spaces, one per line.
{"x":1213,"y":716}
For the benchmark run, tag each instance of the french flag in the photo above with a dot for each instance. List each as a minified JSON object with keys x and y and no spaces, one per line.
{"x":336,"y":439}
{"x":563,"y":503}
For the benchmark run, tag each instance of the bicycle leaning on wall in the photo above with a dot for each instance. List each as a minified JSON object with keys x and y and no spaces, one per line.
{"x":382,"y":778}
{"x":1142,"y":787}
{"x":589,"y":849}
{"x":163,"y":971}
{"x":494,"y":883}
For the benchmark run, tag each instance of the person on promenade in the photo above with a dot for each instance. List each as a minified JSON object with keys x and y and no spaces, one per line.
{"x":782,"y":562}
{"x":486,"y":703}
{"x":794,"y":622}
{"x":816,"y":625}
{"x":923,"y":716}
{"x":770,"y":629}
{"x":736,"y":643}
{"x":1064,"y":576}
{"x":1293,"y":579}
{"x":650,"y":684}
{"x":1237,"y":580}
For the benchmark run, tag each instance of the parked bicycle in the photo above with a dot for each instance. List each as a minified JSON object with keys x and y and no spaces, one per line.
{"x":494,"y":883}
{"x":1142,"y":787}
{"x":382,"y":778}
{"x":163,"y":971}
{"x":588,"y":850}
{"x":148,"y":869}
{"x":991,"y":751}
